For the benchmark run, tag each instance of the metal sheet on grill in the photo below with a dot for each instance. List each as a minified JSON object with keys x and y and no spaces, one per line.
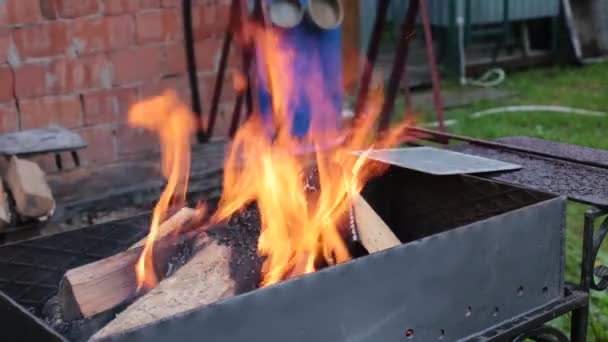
{"x":438,"y":161}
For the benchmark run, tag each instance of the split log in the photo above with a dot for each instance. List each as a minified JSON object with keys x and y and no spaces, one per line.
{"x":5,"y":211}
{"x":374,"y":233}
{"x":32,"y":194}
{"x":102,"y":285}
{"x":204,"y":280}
{"x":174,"y":222}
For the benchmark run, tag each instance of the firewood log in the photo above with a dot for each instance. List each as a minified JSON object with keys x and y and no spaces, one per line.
{"x":204,"y":280}
{"x":373,"y":232}
{"x":102,"y":285}
{"x":5,"y":211}
{"x":174,"y":222}
{"x":32,"y":194}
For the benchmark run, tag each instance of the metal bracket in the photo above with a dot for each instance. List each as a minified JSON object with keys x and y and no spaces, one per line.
{"x":593,"y":240}
{"x":600,"y":271}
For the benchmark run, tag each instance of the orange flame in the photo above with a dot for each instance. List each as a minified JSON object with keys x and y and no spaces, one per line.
{"x":174,"y":124}
{"x":300,"y":229}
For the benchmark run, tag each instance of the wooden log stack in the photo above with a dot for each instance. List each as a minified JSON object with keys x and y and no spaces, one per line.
{"x":24,"y":194}
{"x":205,"y":279}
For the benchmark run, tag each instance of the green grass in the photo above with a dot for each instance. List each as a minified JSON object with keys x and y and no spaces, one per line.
{"x":580,"y":87}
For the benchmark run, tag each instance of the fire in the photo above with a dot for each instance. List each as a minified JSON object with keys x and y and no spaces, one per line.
{"x":301,"y":229}
{"x":174,"y":124}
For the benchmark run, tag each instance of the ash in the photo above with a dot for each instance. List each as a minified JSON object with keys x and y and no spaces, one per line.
{"x":184,"y":251}
{"x":241,"y":234}
{"x":77,"y":330}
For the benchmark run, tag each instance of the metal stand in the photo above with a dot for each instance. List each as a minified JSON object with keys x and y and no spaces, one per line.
{"x":415,"y":8}
{"x":238,"y":12}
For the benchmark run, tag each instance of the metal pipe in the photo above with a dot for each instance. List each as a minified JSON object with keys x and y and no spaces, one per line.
{"x":219,"y":81}
{"x":407,"y":30}
{"x":430,"y":55}
{"x":372,"y":53}
{"x":191,"y":65}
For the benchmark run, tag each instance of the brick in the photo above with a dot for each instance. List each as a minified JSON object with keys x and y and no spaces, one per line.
{"x":80,"y":74}
{"x":175,"y":59}
{"x":41,"y":112}
{"x":108,"y":105}
{"x":170,"y":3}
{"x":5,"y":43}
{"x":3,"y":16}
{"x":158,"y":26}
{"x":47,"y":162}
{"x":23,"y":11}
{"x":6,"y":86}
{"x":177,"y":84}
{"x":101,"y":144}
{"x":207,"y":54}
{"x":102,"y":34}
{"x":145,"y":4}
{"x":114,"y":7}
{"x":51,"y":9}
{"x":42,"y":40}
{"x":30,"y":80}
{"x":223,"y":121}
{"x":9,"y":117}
{"x":209,"y":21}
{"x":207,"y":84}
{"x":137,"y":64}
{"x":134,"y":141}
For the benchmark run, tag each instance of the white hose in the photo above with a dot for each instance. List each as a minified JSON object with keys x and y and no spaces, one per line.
{"x":490,"y":78}
{"x":526,"y":108}
{"x":536,"y":108}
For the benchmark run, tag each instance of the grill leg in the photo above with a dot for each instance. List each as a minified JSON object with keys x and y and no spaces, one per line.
{"x":580,"y":316}
{"x":76,"y":158}
{"x":579,"y":322}
{"x":58,"y":161}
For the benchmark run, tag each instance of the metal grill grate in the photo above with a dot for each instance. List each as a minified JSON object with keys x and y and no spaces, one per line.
{"x":30,"y":271}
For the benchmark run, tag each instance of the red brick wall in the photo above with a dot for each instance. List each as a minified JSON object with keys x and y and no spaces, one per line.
{"x":81,"y":63}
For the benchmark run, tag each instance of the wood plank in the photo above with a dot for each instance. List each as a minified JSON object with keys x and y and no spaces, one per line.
{"x":204,"y":280}
{"x":102,"y":285}
{"x":40,"y":140}
{"x":32,"y":194}
{"x":374,"y":233}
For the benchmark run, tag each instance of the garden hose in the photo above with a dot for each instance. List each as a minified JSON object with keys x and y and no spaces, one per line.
{"x":490,"y":78}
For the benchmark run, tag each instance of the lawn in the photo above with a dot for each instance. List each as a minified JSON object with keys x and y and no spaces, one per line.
{"x":579,"y":87}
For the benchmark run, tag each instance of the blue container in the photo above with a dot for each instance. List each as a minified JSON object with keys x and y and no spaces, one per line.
{"x":316,"y":100}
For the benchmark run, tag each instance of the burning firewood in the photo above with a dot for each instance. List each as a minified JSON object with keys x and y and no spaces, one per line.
{"x":374,"y":234}
{"x":178,"y":220}
{"x":32,"y":194}
{"x":5,"y":213}
{"x":204,"y":280}
{"x":102,"y":285}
